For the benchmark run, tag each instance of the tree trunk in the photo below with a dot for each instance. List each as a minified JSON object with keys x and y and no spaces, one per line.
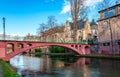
{"x":75,"y":31}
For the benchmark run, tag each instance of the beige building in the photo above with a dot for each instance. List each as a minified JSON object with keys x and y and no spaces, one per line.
{"x":30,"y":37}
{"x":86,"y":31}
{"x":68,"y":30}
{"x":53,"y":34}
{"x":84,"y":28}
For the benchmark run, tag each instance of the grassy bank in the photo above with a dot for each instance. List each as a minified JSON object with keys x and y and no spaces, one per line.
{"x":7,"y":70}
{"x":100,"y":56}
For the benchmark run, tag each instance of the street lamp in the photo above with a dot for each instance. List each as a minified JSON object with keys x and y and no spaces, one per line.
{"x":3,"y":28}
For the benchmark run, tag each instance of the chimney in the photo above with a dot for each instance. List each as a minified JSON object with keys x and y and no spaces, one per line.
{"x":28,"y":34}
{"x":117,"y":2}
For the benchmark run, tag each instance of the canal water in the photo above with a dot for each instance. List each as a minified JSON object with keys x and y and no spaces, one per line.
{"x":64,"y":66}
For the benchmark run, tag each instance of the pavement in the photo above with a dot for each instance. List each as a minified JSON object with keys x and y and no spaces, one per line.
{"x":1,"y":71}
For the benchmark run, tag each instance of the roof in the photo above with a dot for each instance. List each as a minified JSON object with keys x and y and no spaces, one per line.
{"x":81,"y":23}
{"x":57,"y":29}
{"x":93,"y":22}
{"x":109,"y":8}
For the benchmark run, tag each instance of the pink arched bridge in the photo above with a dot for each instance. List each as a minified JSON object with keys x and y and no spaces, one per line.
{"x":18,"y":47}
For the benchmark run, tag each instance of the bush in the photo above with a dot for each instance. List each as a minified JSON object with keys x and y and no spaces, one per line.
{"x":57,"y":49}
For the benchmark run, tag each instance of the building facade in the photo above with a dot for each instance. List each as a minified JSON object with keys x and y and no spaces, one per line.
{"x":68,"y":30}
{"x":108,"y":30}
{"x":86,"y":31}
{"x":30,"y":37}
{"x":54,"y":34}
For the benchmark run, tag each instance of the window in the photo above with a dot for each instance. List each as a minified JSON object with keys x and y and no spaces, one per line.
{"x":109,"y":13}
{"x":106,"y":44}
{"x":118,"y":42}
{"x":105,"y":25}
{"x":71,"y":31}
{"x":72,"y":45}
{"x":106,"y":14}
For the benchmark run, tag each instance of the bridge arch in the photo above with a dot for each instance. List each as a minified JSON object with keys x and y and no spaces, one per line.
{"x":10,"y":48}
{"x":29,"y":44}
{"x":19,"y":51}
{"x":87,"y":50}
{"x":79,"y":48}
{"x":20,"y":45}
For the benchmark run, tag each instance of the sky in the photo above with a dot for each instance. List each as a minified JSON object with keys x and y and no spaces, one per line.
{"x":24,"y":16}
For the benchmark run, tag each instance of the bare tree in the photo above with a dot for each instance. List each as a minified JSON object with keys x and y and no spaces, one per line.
{"x":76,"y":7}
{"x":83,"y":13}
{"x":41,"y":28}
{"x":51,"y":21}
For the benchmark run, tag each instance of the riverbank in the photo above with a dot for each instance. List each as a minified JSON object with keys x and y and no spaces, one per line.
{"x":7,"y":71}
{"x":100,"y":56}
{"x":56,"y":54}
{"x":86,"y":55}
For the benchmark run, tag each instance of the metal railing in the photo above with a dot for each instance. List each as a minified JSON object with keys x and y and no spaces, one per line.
{"x":38,"y":39}
{"x":10,"y":37}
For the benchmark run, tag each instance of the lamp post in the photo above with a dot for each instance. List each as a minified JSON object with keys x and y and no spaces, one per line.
{"x":3,"y":28}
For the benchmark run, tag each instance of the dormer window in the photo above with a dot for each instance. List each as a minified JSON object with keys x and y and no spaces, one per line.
{"x":109,"y":13}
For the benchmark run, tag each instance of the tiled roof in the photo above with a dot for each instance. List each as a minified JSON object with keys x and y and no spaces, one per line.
{"x":93,"y":22}
{"x":81,"y":24}
{"x":57,"y":29}
{"x":109,"y":8}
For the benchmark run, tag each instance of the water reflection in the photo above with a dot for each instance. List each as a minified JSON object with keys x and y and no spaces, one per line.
{"x":45,"y":66}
